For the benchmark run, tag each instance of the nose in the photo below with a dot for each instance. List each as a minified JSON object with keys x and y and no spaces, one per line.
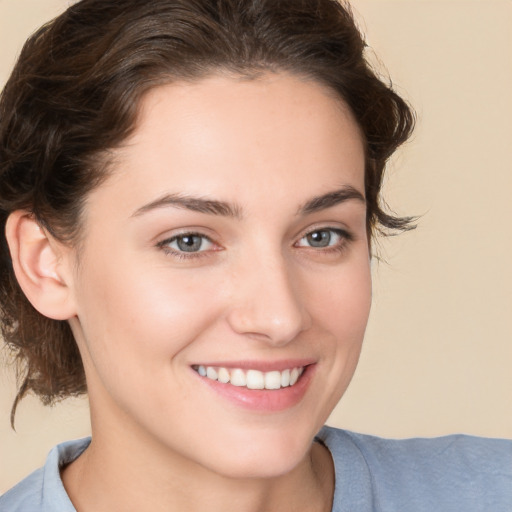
{"x":267,"y":302}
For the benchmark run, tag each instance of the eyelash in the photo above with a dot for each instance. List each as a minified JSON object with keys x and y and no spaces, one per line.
{"x":344,"y":239}
{"x":183,"y":255}
{"x":340,"y":246}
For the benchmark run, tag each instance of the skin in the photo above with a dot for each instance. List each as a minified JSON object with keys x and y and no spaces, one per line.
{"x":256,"y":291}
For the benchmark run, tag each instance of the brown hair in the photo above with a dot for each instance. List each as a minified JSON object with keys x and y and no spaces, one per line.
{"x":74,"y":93}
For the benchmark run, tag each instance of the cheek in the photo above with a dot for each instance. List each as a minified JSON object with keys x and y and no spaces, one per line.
{"x":343,"y":299}
{"x":137,"y":320}
{"x":341,"y":309}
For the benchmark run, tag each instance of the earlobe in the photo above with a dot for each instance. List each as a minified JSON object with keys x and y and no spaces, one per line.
{"x":40,"y":266}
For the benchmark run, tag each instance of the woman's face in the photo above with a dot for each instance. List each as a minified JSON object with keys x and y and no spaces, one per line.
{"x":227,"y":251}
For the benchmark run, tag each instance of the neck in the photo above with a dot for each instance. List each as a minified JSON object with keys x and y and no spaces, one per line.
{"x":123,"y":470}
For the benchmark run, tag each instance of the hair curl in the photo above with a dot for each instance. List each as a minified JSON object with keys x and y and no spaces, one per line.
{"x":74,"y":93}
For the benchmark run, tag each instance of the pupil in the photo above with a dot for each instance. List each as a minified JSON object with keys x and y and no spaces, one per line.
{"x":319,"y":238}
{"x":189,"y":243}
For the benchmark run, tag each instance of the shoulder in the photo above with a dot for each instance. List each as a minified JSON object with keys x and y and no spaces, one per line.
{"x":24,"y":496}
{"x":478,"y":453}
{"x":456,"y":472}
{"x":42,"y":490}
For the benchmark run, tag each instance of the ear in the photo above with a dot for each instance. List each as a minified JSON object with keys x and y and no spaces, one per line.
{"x":41,"y":265}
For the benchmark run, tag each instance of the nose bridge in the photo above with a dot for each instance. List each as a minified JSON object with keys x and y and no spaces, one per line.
{"x":268,"y":303}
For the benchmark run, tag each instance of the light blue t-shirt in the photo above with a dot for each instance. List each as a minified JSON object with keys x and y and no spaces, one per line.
{"x":448,"y":474}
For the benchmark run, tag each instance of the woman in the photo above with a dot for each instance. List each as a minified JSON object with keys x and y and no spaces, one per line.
{"x":189,"y":190}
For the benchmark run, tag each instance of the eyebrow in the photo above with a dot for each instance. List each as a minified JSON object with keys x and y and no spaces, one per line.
{"x":196,"y":204}
{"x":331,"y":199}
{"x":224,"y":209}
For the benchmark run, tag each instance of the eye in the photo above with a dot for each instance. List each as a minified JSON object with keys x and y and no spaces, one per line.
{"x":187,"y":243}
{"x":324,"y":238}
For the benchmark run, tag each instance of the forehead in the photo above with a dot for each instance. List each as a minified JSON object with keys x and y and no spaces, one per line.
{"x":220,"y":135}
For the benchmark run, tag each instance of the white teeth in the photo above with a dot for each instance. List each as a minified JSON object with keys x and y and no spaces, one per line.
{"x":238,"y":378}
{"x":255,"y":379}
{"x":211,"y":373}
{"x":272,"y":380}
{"x":252,"y":379}
{"x":223,"y":375}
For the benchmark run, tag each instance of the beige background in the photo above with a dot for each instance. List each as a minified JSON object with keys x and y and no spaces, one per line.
{"x":437,"y":357}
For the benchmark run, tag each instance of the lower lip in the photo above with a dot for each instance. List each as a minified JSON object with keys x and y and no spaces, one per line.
{"x":263,"y":400}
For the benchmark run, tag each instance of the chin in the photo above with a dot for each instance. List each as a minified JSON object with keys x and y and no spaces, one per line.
{"x":260,"y":455}
{"x":261,"y":466}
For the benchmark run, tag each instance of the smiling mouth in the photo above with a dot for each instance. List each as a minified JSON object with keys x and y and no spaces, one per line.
{"x":251,"y":379}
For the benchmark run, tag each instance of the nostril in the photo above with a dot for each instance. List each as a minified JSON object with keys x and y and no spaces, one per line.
{"x":268,"y":303}
{"x":278,"y":327}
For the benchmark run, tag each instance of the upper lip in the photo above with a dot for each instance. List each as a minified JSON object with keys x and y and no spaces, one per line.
{"x":262,"y":366}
